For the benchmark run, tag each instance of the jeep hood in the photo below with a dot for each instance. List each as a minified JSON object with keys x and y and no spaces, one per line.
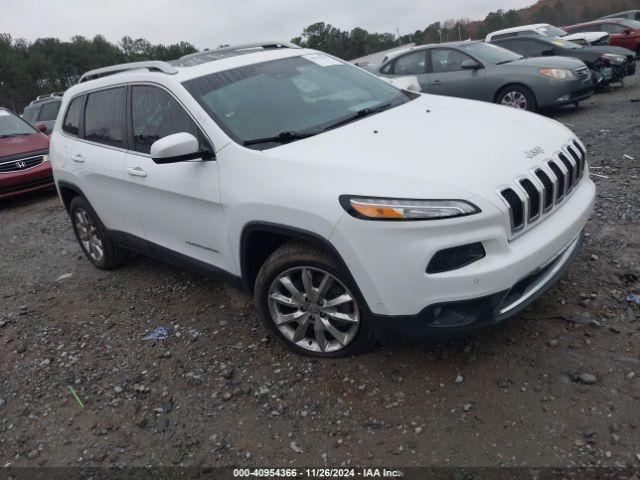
{"x":12,"y":146}
{"x":431,"y":145}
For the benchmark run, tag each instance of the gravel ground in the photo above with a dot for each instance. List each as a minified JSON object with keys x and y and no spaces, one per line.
{"x":557,"y":386}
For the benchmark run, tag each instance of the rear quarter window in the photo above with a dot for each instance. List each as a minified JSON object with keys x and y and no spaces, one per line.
{"x":30,"y":113}
{"x":49,"y":111}
{"x":71,"y":124}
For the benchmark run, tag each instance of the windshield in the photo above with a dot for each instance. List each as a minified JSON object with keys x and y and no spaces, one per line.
{"x":11,"y":125}
{"x":491,"y":53}
{"x":631,"y":24}
{"x":551,"y":31}
{"x":291,"y":98}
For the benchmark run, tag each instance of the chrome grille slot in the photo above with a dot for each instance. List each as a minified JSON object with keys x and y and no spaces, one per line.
{"x":575,"y":156}
{"x":21,"y":164}
{"x":571,"y":171}
{"x":560,"y":178}
{"x":533,"y":196}
{"x":548,"y":188}
{"x":516,"y":208}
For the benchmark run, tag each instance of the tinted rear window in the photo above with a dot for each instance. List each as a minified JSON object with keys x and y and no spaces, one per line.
{"x":71,"y":122}
{"x":104,"y":118}
{"x":30,"y":113}
{"x":49,"y":111}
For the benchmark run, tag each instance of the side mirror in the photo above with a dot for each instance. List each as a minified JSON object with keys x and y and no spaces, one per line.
{"x":41,"y":127}
{"x":178,"y":147}
{"x":627,"y":31}
{"x":470,"y":65}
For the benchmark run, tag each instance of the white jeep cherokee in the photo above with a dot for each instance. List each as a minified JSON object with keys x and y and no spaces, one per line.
{"x":354,"y":211}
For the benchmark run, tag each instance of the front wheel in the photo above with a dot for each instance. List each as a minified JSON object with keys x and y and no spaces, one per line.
{"x":92,"y":236}
{"x":517,"y":96}
{"x":306,"y":303}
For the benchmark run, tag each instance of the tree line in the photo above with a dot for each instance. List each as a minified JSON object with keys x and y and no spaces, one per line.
{"x":29,"y":69}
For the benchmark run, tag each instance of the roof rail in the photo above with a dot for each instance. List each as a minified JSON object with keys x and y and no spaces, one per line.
{"x":238,"y":48}
{"x":39,"y":98}
{"x":267,"y":44}
{"x":152,"y":66}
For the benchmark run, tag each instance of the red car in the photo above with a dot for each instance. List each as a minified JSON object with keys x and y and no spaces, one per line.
{"x":624,"y":32}
{"x":24,"y":161}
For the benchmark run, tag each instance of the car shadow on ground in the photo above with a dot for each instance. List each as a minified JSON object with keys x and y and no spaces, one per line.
{"x":27,"y":199}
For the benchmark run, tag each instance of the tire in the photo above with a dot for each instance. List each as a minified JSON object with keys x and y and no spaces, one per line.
{"x":92,"y":236}
{"x":517,"y":96}
{"x":297,"y":312}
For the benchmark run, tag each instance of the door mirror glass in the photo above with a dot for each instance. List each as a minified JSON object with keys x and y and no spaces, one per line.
{"x":178,"y":147}
{"x":469,"y":65}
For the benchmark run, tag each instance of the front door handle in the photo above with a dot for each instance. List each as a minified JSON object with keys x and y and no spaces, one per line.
{"x":77,"y":158}
{"x":136,"y":172}
{"x":436,"y":82}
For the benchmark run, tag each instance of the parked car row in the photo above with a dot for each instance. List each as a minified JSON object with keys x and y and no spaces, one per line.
{"x":529,"y":67}
{"x":43,"y":111}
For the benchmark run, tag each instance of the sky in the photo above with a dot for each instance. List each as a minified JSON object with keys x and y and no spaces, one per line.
{"x":207,"y":24}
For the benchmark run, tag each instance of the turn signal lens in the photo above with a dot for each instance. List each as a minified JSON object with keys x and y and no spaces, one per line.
{"x":399,"y":209}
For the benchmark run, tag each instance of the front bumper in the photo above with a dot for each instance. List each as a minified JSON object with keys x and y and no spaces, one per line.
{"x":447,"y":321}
{"x":557,"y":93}
{"x":20,"y":182}
{"x":388,"y":260}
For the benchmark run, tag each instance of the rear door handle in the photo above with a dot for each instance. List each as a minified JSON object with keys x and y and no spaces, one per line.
{"x":77,"y":158}
{"x":136,"y":172}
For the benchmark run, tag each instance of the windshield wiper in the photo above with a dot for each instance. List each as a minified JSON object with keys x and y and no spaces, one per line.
{"x":365,"y":112}
{"x":282,"y":138}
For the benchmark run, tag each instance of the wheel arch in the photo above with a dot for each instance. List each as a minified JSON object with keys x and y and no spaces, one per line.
{"x":260,"y":239}
{"x":68,"y":191}
{"x":514,"y":84}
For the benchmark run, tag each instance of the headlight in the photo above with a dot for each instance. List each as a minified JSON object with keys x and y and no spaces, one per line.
{"x":557,"y":73}
{"x":400,"y":209}
{"x":613,"y":58}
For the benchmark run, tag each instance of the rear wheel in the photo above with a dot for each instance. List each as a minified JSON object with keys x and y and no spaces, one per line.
{"x":306,"y":303}
{"x":517,"y":96}
{"x":92,"y":236}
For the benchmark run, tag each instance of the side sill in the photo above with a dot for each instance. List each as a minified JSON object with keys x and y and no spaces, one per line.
{"x":150,"y":249}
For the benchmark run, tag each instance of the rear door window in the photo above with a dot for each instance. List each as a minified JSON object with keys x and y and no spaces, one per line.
{"x":104,"y":118}
{"x":71,"y":123}
{"x":445,"y":60}
{"x":156,"y":114}
{"x":410,"y":64}
{"x":49,"y":111}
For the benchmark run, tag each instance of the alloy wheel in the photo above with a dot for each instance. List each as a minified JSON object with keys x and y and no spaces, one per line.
{"x":515,"y":99}
{"x":88,"y":235}
{"x":313,"y":309}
